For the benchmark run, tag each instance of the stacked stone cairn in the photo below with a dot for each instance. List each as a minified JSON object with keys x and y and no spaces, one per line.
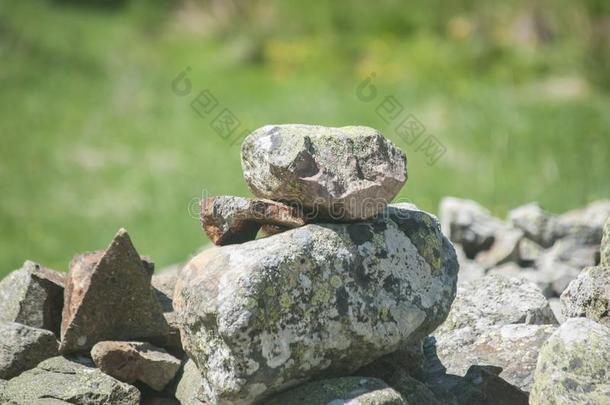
{"x":318,"y":291}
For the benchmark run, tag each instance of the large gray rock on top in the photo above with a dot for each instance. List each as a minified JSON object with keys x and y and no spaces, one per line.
{"x":75,"y":382}
{"x":320,"y":299}
{"x":23,"y":347}
{"x":343,"y":390}
{"x":497,"y":300}
{"x":514,"y":348}
{"x":589,"y":296}
{"x":469,"y":224}
{"x":33,"y":296}
{"x":573,"y":365}
{"x":109,"y":297}
{"x":346,"y":174}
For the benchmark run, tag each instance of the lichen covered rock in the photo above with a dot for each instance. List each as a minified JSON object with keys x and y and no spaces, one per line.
{"x":573,"y":365}
{"x":23,"y":347}
{"x":320,"y":299}
{"x":589,"y":296}
{"x":75,"y":382}
{"x":347,"y":173}
{"x":352,"y":390}
{"x":33,"y":296}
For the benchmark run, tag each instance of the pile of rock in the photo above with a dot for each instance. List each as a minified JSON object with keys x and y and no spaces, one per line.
{"x":344,"y":299}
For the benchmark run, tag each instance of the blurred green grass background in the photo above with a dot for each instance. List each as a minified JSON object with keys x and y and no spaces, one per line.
{"x":94,"y":138}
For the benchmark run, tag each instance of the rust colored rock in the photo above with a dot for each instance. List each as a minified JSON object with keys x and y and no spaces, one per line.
{"x":228,"y":220}
{"x":136,"y":361}
{"x":108,"y":296}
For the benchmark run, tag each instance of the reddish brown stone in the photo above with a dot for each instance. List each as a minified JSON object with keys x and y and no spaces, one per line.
{"x":108,"y":296}
{"x":228,"y":220}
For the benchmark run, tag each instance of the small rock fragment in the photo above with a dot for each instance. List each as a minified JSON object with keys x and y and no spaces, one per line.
{"x":189,"y":388}
{"x":23,"y":347}
{"x":76,"y":382}
{"x":504,"y":249}
{"x":344,"y":174}
{"x":33,"y":296}
{"x":343,"y":390}
{"x":469,"y":224}
{"x":228,"y":220}
{"x":589,"y":296}
{"x":573,"y":365}
{"x":605,"y":245}
{"x":163,"y":286}
{"x":136,"y":361}
{"x":534,"y":222}
{"x":109,"y":297}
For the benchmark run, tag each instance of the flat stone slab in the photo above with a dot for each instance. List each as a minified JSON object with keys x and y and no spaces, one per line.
{"x":227,"y":220}
{"x":343,"y":174}
{"x":109,"y":297}
{"x":136,"y":361}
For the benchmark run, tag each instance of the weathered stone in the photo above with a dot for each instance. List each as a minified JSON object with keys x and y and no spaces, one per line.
{"x":343,"y":390}
{"x":227,"y":220}
{"x":587,"y":222}
{"x":482,"y":385}
{"x":504,"y":249}
{"x":136,"y":361}
{"x":189,"y":388}
{"x":109,"y":297}
{"x":557,"y":308}
{"x":542,"y":279}
{"x":270,"y":230}
{"x":23,"y":347}
{"x":528,"y":252}
{"x":497,"y":300}
{"x":573,"y":365}
{"x":33,"y":296}
{"x":470,"y":270}
{"x":61,"y":379}
{"x":605,"y":245}
{"x":320,"y":299}
{"x":534,"y":222}
{"x":469,"y":224}
{"x":344,"y":174}
{"x":589,"y":296}
{"x":514,"y":348}
{"x":163,"y":286}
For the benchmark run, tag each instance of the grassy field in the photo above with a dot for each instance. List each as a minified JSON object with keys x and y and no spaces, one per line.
{"x":94,"y":138}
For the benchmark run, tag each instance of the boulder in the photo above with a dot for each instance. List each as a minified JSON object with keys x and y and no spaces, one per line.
{"x":469,"y":224}
{"x":343,"y":390}
{"x":227,"y":220}
{"x":109,"y":297}
{"x":573,"y":365}
{"x":189,"y":387}
{"x":589,"y":296}
{"x":76,"y":382}
{"x":136,"y":361}
{"x":23,"y":347}
{"x":513,"y":348}
{"x":33,"y":296}
{"x":344,"y":174}
{"x":497,"y":300}
{"x":317,"y":300}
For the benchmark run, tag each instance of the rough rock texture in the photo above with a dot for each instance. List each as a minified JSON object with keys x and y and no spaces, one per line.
{"x":514,"y":348}
{"x":543,"y":280}
{"x":469,"y":224}
{"x":344,"y":390}
{"x":573,"y":365}
{"x":136,"y":361}
{"x":60,"y":379}
{"x":347,"y":173}
{"x":504,"y":249}
{"x":585,"y":221}
{"x":109,"y":296}
{"x":163,"y":286}
{"x":189,"y":388}
{"x":557,"y":308}
{"x":227,"y":220}
{"x":534,"y":222}
{"x":497,"y":300}
{"x":320,"y":299}
{"x":605,"y":246}
{"x":23,"y":347}
{"x":33,"y":296}
{"x":589,"y":296}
